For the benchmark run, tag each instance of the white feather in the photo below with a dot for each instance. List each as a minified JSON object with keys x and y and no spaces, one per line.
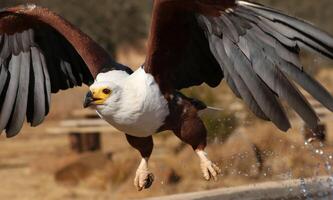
{"x":114,"y":76}
{"x":136,"y":105}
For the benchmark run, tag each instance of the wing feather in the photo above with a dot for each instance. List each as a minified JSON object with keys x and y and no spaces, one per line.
{"x":275,"y":79}
{"x":228,"y":29}
{"x":261,"y":93}
{"x":18,"y":116}
{"x":11,"y":92}
{"x":262,"y":63}
{"x":235,"y":82}
{"x":3,"y":77}
{"x":39,"y":92}
{"x":5,"y":51}
{"x":41,"y":53}
{"x":288,"y":62}
{"x":256,"y":48}
{"x":25,"y":39}
{"x":313,"y":39}
{"x":248,"y":15}
{"x":47,"y":84}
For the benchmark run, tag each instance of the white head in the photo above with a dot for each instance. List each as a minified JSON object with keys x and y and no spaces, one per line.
{"x":103,"y":93}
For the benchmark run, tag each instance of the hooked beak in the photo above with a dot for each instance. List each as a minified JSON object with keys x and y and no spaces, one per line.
{"x":96,"y":97}
{"x":88,"y":100}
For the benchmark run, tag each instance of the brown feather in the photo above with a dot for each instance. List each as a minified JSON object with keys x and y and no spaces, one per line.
{"x":61,"y":57}
{"x":170,"y":35}
{"x":20,"y":18}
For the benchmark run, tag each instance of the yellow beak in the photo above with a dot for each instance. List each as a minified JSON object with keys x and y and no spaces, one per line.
{"x":95,"y":97}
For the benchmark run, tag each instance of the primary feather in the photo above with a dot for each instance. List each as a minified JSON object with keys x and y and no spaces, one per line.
{"x":257,"y":48}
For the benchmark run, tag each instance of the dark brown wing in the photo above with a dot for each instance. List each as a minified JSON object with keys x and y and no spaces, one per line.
{"x":254,"y":47}
{"x":41,"y":53}
{"x":177,"y":44}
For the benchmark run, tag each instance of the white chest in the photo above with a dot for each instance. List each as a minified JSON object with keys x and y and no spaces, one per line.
{"x":140,"y":109}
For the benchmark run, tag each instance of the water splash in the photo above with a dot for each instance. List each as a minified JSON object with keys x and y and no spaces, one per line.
{"x":305,"y":192}
{"x":327,"y":158}
{"x":289,"y":176}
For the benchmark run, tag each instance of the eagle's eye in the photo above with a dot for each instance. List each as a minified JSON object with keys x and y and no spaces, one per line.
{"x":106,"y":91}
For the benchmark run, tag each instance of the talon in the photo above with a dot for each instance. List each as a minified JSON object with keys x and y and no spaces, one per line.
{"x":217,"y":169}
{"x":149,"y":180}
{"x":212,"y":172}
{"x":209,"y":169}
{"x":143,"y":178}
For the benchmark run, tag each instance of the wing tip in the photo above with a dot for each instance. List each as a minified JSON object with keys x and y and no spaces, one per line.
{"x":11,"y":134}
{"x":282,"y":124}
{"x":285,"y":127}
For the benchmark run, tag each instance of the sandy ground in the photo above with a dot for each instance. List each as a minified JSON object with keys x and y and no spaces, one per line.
{"x":29,"y":165}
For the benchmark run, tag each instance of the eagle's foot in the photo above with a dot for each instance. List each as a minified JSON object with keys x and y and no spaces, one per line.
{"x":209,"y":169}
{"x":143,"y":177}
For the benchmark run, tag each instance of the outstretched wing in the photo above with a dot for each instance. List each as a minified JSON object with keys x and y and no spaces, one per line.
{"x":41,"y":53}
{"x":178,"y":50}
{"x":255,"y":48}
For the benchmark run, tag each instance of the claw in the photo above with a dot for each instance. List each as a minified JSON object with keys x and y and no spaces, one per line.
{"x":143,"y":178}
{"x":209,"y":169}
{"x":149,"y":181}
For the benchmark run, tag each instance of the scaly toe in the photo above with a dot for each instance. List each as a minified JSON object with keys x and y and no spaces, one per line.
{"x":217,"y":169}
{"x":210,"y":170}
{"x":143,"y":180}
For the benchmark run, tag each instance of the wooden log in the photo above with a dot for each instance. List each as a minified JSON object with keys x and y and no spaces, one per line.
{"x":85,"y":142}
{"x":74,"y":142}
{"x":85,"y":113}
{"x":84,"y":131}
{"x":81,"y":130}
{"x":83,"y":123}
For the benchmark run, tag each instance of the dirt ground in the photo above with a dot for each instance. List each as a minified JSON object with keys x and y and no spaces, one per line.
{"x":37,"y":165}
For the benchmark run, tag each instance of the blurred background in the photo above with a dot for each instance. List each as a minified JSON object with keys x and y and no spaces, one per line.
{"x":48,"y":163}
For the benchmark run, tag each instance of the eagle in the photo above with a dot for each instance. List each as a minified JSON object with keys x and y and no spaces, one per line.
{"x":254,"y":48}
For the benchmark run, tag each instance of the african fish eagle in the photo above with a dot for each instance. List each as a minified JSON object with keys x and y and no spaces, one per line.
{"x":254,"y":48}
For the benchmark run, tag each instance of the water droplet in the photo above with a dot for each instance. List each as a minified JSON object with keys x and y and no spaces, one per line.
{"x":328,"y":166}
{"x":304,"y":190}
